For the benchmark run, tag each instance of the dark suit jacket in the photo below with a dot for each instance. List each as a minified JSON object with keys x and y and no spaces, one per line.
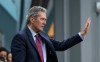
{"x":23,"y":47}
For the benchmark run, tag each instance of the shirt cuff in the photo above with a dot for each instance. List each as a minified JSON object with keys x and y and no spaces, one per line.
{"x":82,"y":37}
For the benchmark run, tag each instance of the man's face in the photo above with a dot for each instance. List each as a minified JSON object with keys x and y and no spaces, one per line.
{"x":39,"y":23}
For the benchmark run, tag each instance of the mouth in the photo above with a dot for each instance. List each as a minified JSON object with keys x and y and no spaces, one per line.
{"x":42,"y":26}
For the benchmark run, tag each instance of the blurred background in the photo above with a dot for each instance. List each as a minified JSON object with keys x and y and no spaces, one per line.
{"x":64,"y":19}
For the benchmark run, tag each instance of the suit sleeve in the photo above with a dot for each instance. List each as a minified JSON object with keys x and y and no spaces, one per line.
{"x":66,"y":44}
{"x":18,"y":49}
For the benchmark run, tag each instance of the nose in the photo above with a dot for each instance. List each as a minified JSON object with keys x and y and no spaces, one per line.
{"x":44,"y":22}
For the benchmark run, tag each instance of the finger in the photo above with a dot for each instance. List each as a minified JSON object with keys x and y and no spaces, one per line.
{"x":89,"y":19}
{"x":88,"y":22}
{"x":87,"y":25}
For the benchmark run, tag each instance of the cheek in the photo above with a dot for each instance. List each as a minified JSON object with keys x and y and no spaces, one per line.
{"x":38,"y":23}
{"x":35,"y":24}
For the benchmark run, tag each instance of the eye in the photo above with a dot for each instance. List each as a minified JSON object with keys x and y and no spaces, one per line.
{"x":43,"y":19}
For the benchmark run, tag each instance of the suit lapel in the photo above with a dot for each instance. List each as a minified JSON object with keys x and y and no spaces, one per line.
{"x":50,"y":50}
{"x":31,"y":38}
{"x":43,"y":36}
{"x":47,"y":40}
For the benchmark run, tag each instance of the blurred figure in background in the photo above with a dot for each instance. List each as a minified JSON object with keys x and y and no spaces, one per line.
{"x":9,"y":58}
{"x":3,"y":53}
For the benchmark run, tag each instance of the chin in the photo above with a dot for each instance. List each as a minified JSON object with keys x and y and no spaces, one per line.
{"x":41,"y":30}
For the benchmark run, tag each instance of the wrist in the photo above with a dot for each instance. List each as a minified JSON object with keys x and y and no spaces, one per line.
{"x":82,"y":33}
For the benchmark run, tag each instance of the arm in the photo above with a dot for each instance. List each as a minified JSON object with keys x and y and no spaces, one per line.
{"x":18,"y":49}
{"x":65,"y":44}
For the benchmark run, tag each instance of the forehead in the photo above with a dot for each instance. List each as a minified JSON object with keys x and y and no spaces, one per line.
{"x":3,"y":52}
{"x":42,"y":14}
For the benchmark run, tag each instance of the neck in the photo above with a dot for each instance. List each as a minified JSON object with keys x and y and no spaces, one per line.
{"x":33,"y":28}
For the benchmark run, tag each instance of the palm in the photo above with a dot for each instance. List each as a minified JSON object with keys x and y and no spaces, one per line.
{"x":86,"y":28}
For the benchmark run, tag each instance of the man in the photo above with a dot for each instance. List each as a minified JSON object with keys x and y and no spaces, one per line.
{"x":32,"y":44}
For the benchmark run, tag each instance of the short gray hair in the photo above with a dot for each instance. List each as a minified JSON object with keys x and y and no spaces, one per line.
{"x":34,"y":12}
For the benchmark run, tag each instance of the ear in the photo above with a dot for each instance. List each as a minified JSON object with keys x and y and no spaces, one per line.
{"x":32,"y":19}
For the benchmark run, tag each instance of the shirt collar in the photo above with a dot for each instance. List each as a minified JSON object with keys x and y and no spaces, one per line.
{"x":32,"y":31}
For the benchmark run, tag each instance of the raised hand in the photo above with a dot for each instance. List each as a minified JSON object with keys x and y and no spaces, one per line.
{"x":86,"y":28}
